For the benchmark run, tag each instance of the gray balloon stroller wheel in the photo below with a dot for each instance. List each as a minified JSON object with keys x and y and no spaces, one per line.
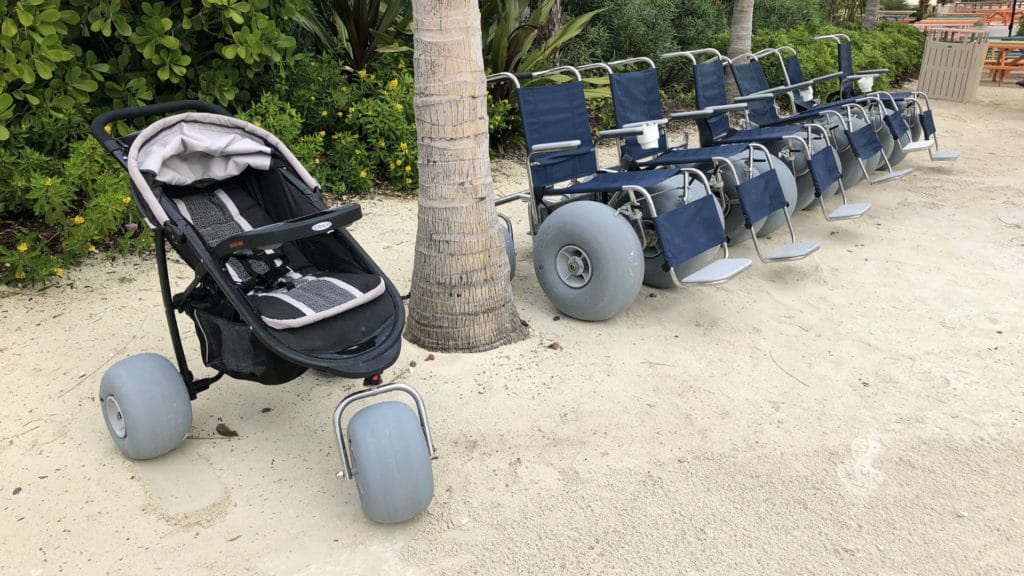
{"x":112,"y":412}
{"x":145,"y":406}
{"x":391,"y":462}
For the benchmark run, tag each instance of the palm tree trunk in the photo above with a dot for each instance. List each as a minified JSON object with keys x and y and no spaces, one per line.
{"x":870,"y":13}
{"x":461,"y":296}
{"x":741,"y":27}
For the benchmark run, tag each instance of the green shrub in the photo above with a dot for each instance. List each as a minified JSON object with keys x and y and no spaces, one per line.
{"x":344,"y":118}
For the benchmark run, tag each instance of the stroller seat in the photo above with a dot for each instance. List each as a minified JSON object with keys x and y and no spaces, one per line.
{"x":284,"y":297}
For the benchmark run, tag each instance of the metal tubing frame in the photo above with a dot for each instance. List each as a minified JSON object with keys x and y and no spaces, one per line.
{"x":421,"y":410}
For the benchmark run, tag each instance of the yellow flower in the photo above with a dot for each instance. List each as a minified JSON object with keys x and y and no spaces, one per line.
{"x":323,"y":133}
{"x":312,"y":98}
{"x":126,"y":199}
{"x":391,"y":166}
{"x":408,"y":168}
{"x":22,"y":247}
{"x":323,"y":113}
{"x":362,"y":174}
{"x":107,"y":128}
{"x":79,"y":219}
{"x":19,"y":275}
{"x":373,"y":76}
{"x":351,"y":109}
{"x":334,"y":136}
{"x":393,"y":84}
{"x":404,"y":147}
{"x":257,"y":124}
{"x":358,"y":152}
{"x":398,"y":162}
{"x":408,"y":180}
{"x":398,"y":106}
{"x":59,"y":272}
{"x":92,"y":248}
{"x":340,"y":114}
{"x":49,"y":182}
{"x":381,"y":143}
{"x":316,"y":161}
{"x":362,"y":73}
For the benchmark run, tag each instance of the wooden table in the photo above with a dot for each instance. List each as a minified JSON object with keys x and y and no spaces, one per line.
{"x":1004,"y":57}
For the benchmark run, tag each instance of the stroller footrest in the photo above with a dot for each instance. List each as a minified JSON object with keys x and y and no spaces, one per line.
{"x":793,"y":251}
{"x":894,"y":175}
{"x":719,"y":271}
{"x":917,"y":146}
{"x":945,"y":155}
{"x":850,"y":211}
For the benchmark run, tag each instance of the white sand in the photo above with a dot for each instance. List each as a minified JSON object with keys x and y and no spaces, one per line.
{"x":860,"y":412}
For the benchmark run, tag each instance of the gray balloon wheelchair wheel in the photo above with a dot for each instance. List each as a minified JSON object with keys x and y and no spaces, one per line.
{"x":145,"y":406}
{"x":391,"y":462}
{"x":588,"y":260}
{"x":510,"y":251}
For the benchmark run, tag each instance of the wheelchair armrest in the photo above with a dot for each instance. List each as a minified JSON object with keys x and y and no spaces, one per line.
{"x":559,"y":146}
{"x":875,"y":72}
{"x":620,"y":132}
{"x":758,"y":96}
{"x":707,"y":112}
{"x":657,"y":122}
{"x":779,"y":90}
{"x":273,"y":235}
{"x":826,"y":77}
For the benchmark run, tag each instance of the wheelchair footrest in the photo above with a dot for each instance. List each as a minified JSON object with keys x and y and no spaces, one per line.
{"x":945,"y":155}
{"x":894,"y":175}
{"x":917,"y":146}
{"x":719,"y":271}
{"x":793,"y":251}
{"x":850,"y":211}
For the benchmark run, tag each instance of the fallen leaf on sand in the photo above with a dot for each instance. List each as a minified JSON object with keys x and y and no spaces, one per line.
{"x":223,"y":430}
{"x":555,"y":346}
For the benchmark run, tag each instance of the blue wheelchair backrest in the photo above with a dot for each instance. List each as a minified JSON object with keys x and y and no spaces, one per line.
{"x":750,"y":78}
{"x":555,"y":113}
{"x":709,"y":86}
{"x":635,"y":98}
{"x":760,"y":196}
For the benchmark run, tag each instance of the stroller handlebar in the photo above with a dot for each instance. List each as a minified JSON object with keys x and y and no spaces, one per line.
{"x":98,"y":124}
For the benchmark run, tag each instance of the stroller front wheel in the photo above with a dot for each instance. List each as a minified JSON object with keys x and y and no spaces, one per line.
{"x":145,"y":406}
{"x":391,"y":462}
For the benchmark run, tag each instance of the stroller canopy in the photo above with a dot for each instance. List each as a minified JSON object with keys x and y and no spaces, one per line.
{"x":198,"y":147}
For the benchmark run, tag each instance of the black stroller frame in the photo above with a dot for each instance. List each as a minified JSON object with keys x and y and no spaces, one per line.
{"x":388,"y":500}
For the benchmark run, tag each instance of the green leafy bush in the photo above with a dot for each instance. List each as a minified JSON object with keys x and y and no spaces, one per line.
{"x":357,"y":129}
{"x":897,"y":47}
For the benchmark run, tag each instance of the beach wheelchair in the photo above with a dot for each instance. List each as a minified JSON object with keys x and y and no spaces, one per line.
{"x":807,"y":148}
{"x":279,"y":286}
{"x":757,"y":189}
{"x":913,"y":106}
{"x":599,"y":234}
{"x":860,"y":127}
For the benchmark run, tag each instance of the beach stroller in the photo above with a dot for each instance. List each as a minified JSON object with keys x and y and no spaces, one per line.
{"x":600,"y":234}
{"x":279,"y":287}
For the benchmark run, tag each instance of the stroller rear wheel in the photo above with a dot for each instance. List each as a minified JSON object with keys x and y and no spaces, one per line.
{"x":391,"y":462}
{"x":146,"y":406}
